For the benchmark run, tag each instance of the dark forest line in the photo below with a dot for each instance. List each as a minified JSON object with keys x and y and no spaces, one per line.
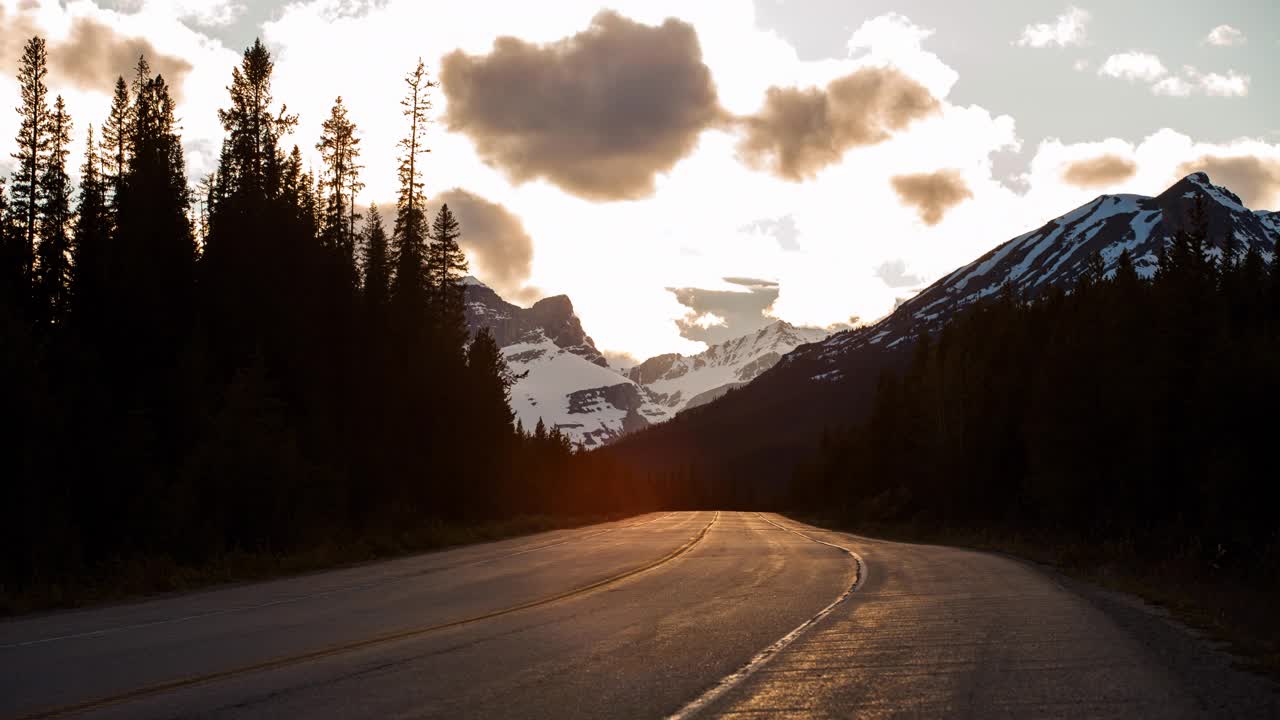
{"x":1132,"y":414}
{"x":242,"y":367}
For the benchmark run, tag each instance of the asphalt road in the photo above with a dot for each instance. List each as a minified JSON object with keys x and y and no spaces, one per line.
{"x":688,"y":614}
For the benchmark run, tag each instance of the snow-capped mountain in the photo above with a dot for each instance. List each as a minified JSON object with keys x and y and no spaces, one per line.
{"x":677,"y":382}
{"x":565,"y":381}
{"x":1057,"y":254}
{"x":760,"y":432}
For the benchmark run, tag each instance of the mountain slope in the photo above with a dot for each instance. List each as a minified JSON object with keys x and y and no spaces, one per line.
{"x":759,"y":431}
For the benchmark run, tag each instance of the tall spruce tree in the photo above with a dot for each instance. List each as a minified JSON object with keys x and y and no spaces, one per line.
{"x":91,"y":239}
{"x":446,"y":266}
{"x":340,"y":152}
{"x":116,"y":139}
{"x":154,"y":244}
{"x":376,"y":261}
{"x":53,"y":269}
{"x":34,"y":144}
{"x":254,"y":259}
{"x":410,"y":292}
{"x":489,"y":386}
{"x":253,"y":129}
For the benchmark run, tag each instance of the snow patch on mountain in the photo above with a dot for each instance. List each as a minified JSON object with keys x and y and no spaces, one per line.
{"x":590,"y":403}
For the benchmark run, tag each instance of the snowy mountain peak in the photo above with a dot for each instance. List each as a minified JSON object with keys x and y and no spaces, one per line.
{"x":553,"y":317}
{"x":1199,"y":184}
{"x":1057,"y":254}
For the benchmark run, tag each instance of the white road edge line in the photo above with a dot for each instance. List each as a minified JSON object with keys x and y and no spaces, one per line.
{"x":764,"y":656}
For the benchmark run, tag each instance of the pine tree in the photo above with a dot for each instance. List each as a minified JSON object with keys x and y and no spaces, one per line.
{"x":1094,"y":272}
{"x":258,"y":258}
{"x":377,"y":263}
{"x":446,"y":266}
{"x":1126,"y":281}
{"x":34,"y":145}
{"x":154,"y":243}
{"x":253,"y":129}
{"x":116,"y":132}
{"x":410,"y":286}
{"x":340,"y":151}
{"x":489,"y":390}
{"x":53,"y":271}
{"x":90,"y":241}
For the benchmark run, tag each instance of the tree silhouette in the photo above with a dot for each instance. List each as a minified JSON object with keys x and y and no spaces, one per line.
{"x":116,"y":139}
{"x":340,"y":151}
{"x":90,"y":241}
{"x":34,"y":142}
{"x":53,"y":270}
{"x":446,"y":266}
{"x":376,"y":262}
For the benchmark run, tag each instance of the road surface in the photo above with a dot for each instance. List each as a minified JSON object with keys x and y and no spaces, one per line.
{"x":697,"y":614}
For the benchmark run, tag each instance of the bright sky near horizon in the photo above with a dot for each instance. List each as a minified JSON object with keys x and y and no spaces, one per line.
{"x":687,"y":171}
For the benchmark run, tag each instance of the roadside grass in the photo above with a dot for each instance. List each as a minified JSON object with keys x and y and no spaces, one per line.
{"x":1222,"y":605}
{"x":138,"y":578}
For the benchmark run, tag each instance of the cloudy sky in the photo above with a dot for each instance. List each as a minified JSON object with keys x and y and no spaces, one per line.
{"x":686,"y":171}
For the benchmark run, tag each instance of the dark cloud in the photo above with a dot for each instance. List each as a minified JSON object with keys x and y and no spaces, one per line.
{"x":932,"y":194}
{"x":743,"y":312}
{"x":497,"y":241}
{"x":1255,"y":180}
{"x":1099,"y":171}
{"x":599,"y":114}
{"x":800,"y":131}
{"x":782,"y":229}
{"x":894,"y":274}
{"x":92,"y":56}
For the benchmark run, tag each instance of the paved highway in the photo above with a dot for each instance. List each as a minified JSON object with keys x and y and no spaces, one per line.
{"x":699,"y":614}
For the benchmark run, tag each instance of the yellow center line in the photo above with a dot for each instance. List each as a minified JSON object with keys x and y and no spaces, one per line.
{"x":279,"y":662}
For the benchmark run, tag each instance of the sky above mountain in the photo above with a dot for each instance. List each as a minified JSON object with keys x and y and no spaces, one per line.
{"x":688,"y":171}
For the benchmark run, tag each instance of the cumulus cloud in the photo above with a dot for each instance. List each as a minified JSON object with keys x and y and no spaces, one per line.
{"x":1133,"y":65}
{"x":932,"y":194}
{"x":1174,"y":86}
{"x":1145,"y":67}
{"x":93,"y":55}
{"x":1192,"y":81}
{"x":1226,"y":36}
{"x":1231,"y":84}
{"x":800,"y":131}
{"x":1099,"y":171}
{"x":894,"y":274}
{"x":598,"y":114}
{"x":718,"y":315}
{"x":1066,"y":30}
{"x":1255,"y":179}
{"x":496,"y":241}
